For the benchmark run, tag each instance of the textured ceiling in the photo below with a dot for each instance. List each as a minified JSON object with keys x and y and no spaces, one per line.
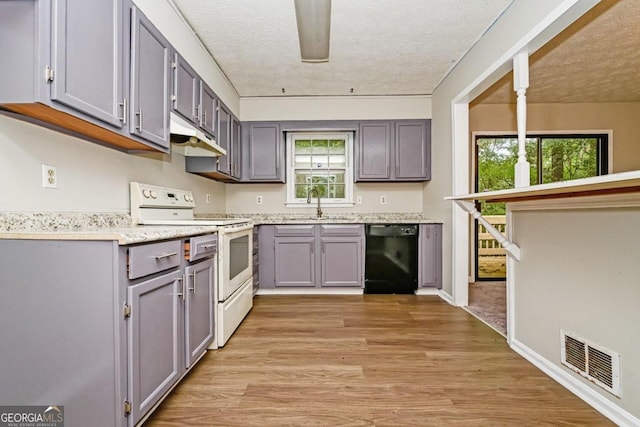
{"x":596,"y":59}
{"x":378,"y":47}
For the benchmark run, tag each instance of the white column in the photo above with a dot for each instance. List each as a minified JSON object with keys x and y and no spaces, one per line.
{"x":520,"y":85}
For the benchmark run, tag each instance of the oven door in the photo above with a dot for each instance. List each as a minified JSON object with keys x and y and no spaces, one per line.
{"x":235,"y":260}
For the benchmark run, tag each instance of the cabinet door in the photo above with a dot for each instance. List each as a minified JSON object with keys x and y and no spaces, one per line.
{"x":149,"y":117}
{"x":224,"y":139}
{"x":294,"y":261}
{"x":236,"y":149}
{"x":430,"y":256}
{"x":265,"y":151}
{"x":87,"y":43}
{"x":185,"y":89}
{"x":374,"y":151}
{"x":342,"y":262}
{"x":199,"y":312}
{"x":411,"y":150}
{"x":207,"y":110}
{"x":155,"y":346}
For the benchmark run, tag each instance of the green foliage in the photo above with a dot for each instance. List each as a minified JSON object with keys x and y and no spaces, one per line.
{"x":561,"y":159}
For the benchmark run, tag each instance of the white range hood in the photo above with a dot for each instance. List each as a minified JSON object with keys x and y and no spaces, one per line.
{"x":188,"y":140}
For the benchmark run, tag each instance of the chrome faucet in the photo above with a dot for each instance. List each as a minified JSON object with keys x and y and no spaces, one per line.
{"x":311,"y":193}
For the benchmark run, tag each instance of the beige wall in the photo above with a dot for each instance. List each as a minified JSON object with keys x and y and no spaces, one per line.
{"x":579,"y":272}
{"x":620,"y":117}
{"x":91,"y":178}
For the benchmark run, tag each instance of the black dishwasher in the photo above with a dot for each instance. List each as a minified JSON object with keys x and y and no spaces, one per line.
{"x":391,"y":259}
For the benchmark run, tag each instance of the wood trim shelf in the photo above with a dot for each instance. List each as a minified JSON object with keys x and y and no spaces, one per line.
{"x":620,"y":183}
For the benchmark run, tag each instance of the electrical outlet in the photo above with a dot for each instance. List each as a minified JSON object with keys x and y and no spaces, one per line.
{"x":49,"y":176}
{"x":258,"y":200}
{"x":207,"y":198}
{"x":383,"y":200}
{"x":358,"y":200}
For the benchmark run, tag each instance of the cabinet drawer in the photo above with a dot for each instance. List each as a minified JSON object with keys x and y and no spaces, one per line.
{"x":295,"y":230}
{"x":154,"y":257}
{"x":202,"y":246}
{"x":341,"y":229}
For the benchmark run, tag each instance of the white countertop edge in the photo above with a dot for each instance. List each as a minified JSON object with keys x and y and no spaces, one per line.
{"x":124,"y":236}
{"x":603,"y":182}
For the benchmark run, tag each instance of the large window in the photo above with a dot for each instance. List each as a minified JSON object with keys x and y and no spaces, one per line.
{"x":320,"y":161}
{"x":552,"y":158}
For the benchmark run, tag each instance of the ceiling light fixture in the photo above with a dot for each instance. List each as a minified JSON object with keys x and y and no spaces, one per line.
{"x":314,"y":25}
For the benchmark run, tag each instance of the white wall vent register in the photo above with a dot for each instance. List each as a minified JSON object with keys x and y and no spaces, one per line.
{"x":599,"y":365}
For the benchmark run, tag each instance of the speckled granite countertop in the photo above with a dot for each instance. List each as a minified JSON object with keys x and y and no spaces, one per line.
{"x":332,"y":218}
{"x":89,"y":226}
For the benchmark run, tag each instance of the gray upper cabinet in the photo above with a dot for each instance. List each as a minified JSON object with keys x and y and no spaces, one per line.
{"x":223,"y":139}
{"x":71,"y":70}
{"x":207,"y":110}
{"x":373,"y":151}
{"x":263,"y":152}
{"x":150,"y":77}
{"x":393,"y":151}
{"x":412,"y":150}
{"x":185,"y":96}
{"x":430,"y":256}
{"x":236,"y":147}
{"x":87,"y":58}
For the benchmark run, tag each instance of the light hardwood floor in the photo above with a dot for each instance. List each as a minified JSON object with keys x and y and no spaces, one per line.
{"x":372,"y":360}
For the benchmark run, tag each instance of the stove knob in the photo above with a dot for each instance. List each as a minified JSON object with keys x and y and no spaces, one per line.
{"x":153,"y":194}
{"x":146,"y":193}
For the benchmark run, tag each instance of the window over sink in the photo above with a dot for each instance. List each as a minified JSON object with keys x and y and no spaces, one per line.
{"x":322,"y":161}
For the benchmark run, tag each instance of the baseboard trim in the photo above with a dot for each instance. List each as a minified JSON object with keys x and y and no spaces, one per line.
{"x":427,"y":291}
{"x":601,"y":404}
{"x":311,"y":291}
{"x":445,"y":296}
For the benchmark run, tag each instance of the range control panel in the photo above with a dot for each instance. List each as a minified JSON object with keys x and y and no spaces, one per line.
{"x":147,"y":196}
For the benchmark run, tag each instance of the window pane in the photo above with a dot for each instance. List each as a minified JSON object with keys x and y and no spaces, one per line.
{"x":303,"y":146}
{"x":337,"y":146}
{"x":302,"y":177}
{"x":336,"y":191}
{"x":336,"y":176}
{"x":569,"y":158}
{"x":319,"y":161}
{"x":301,"y":191}
{"x":337,"y":160}
{"x":320,"y":146}
{"x":302,"y":161}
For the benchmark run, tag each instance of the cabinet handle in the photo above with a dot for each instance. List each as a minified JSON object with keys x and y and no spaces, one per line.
{"x":204,"y":117}
{"x":163,"y":256}
{"x":194,"y":283}
{"x":181,"y":280}
{"x":208,"y":246}
{"x":139,"y":114}
{"x":123,"y":104}
{"x":196,"y":115}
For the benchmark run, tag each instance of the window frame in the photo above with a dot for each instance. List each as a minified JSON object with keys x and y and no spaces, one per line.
{"x":349,"y":171}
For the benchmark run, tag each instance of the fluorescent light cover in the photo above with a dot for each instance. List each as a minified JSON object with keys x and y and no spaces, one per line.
{"x":314,"y":25}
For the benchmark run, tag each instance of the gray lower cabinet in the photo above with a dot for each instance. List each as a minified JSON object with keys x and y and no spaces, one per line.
{"x":199,"y":309}
{"x":102,"y":329}
{"x":314,"y":255}
{"x":154,"y":329}
{"x":397,"y":150}
{"x":430,"y":256}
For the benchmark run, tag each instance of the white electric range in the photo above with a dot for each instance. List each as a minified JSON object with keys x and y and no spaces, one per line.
{"x":155,"y":205}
